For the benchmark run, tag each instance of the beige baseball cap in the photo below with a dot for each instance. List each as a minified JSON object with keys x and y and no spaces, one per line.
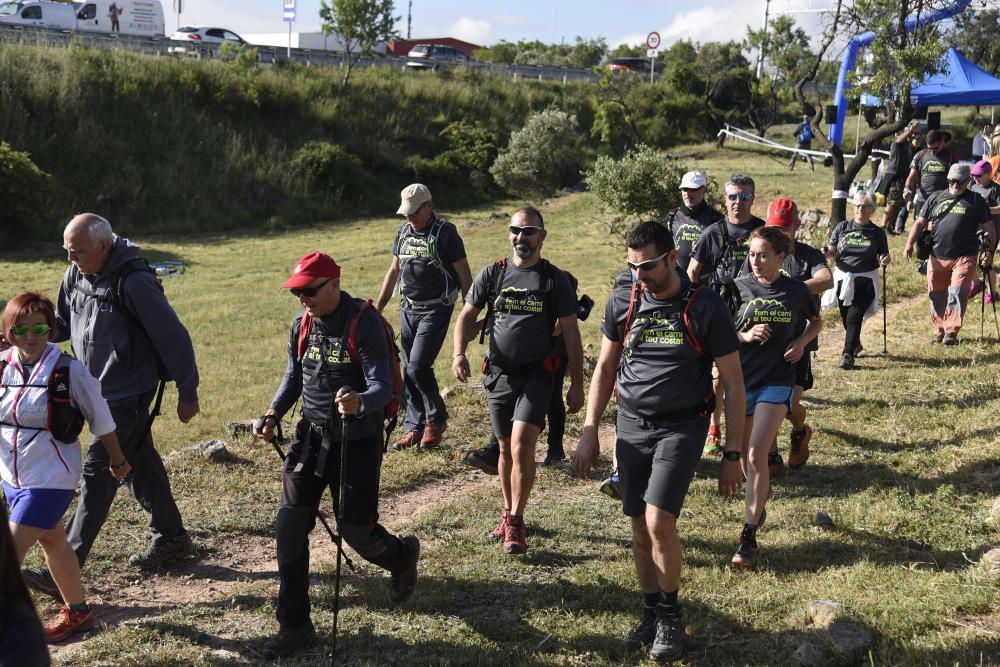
{"x":412,"y":198}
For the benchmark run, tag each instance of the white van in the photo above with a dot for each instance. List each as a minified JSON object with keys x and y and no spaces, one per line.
{"x":54,"y":15}
{"x":127,"y":17}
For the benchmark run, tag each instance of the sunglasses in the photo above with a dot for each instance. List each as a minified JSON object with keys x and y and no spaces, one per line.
{"x":309,"y":292}
{"x":37,"y":329}
{"x":523,"y":231}
{"x":741,"y":196}
{"x":648,"y":265}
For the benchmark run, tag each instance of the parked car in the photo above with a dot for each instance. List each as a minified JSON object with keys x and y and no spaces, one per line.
{"x":124,"y":17}
{"x":203,"y":40}
{"x":636,"y":65}
{"x":433,"y":56}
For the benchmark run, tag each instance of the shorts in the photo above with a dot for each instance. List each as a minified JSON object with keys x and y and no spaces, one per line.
{"x":804,"y":372}
{"x":522,"y":397}
{"x":776,"y":394}
{"x":894,"y":196}
{"x":656,"y":463}
{"x":38,"y":508}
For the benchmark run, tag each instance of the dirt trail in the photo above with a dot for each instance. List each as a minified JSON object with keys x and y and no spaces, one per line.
{"x":225,"y":565}
{"x":832,"y":338}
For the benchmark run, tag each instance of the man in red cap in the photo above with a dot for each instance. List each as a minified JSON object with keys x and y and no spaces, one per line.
{"x":808,"y":265}
{"x":333,"y":389}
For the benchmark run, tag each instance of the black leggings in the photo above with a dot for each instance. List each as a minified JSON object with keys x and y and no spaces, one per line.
{"x":854,"y":315}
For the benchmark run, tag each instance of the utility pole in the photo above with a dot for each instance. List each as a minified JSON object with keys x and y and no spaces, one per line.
{"x":763,"y":44}
{"x":409,"y":19}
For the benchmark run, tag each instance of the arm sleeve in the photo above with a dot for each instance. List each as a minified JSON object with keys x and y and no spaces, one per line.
{"x":817,"y":263}
{"x":85,"y":390}
{"x":395,"y":240}
{"x":883,"y":243}
{"x":809,"y":307}
{"x":375,"y":360}
{"x":720,"y":338}
{"x":170,"y":338}
{"x":452,"y":248}
{"x":291,"y":383}
{"x":835,"y":234}
{"x":565,"y":303}
{"x":478,"y":293}
{"x":63,"y":310}
{"x":705,"y":248}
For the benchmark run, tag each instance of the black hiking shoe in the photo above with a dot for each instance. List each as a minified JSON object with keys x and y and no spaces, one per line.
{"x":645,"y":632}
{"x":485,"y":459}
{"x":404,"y":581}
{"x":163,"y":552}
{"x":847,"y":361}
{"x":669,"y":641}
{"x":554,"y":456}
{"x":288,"y":641}
{"x":950,"y":338}
{"x":42,"y":582}
{"x":746,"y":553}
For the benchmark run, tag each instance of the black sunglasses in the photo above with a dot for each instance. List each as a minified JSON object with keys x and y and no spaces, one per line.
{"x":523,"y":231}
{"x":648,"y":265}
{"x":309,"y":292}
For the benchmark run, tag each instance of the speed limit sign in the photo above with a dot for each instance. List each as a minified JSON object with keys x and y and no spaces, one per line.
{"x":653,"y":40}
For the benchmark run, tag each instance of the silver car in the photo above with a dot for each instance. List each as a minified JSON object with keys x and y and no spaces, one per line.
{"x":202,"y":40}
{"x":435,"y":56}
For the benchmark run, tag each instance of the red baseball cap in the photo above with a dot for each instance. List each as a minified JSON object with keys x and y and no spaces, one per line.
{"x":781,"y":213}
{"x":310,"y":267}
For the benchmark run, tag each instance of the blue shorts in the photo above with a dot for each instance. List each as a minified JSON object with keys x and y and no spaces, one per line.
{"x":770,"y":394}
{"x":38,"y":508}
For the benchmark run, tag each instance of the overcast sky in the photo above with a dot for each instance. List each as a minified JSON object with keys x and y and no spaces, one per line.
{"x":486,"y":22}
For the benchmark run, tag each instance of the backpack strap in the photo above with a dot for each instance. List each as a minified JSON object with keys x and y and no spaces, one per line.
{"x":493,"y":291}
{"x":688,"y":330}
{"x":351,"y":335}
{"x":634,"y":299}
{"x":305,"y":329}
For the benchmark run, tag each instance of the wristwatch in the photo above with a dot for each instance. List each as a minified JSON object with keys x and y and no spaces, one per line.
{"x":731,"y":455}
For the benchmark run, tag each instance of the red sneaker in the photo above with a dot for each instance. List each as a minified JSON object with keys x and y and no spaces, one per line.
{"x":68,"y":622}
{"x":514,"y":536}
{"x":713,"y":443}
{"x":497,"y":533}
{"x":432,"y":435}
{"x":410,"y":439}
{"x":799,"y":452}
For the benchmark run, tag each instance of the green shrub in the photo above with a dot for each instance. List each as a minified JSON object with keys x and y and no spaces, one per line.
{"x":642,"y":183}
{"x":543,"y":156}
{"x":25,"y":191}
{"x":328,"y":170}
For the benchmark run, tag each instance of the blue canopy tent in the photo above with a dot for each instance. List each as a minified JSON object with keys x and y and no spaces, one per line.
{"x":960,"y":83}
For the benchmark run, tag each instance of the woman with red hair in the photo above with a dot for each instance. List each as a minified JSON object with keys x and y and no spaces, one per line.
{"x":44,"y":398}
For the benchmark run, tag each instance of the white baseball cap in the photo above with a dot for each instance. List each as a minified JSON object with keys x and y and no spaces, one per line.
{"x":693,"y":180}
{"x":412,"y":198}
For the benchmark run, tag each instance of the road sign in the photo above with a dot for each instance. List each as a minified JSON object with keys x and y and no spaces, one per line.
{"x":653,"y":40}
{"x":289,"y":13}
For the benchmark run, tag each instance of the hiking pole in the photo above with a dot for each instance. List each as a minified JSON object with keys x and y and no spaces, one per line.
{"x":279,"y":437}
{"x":885,"y":335}
{"x":993,"y":301}
{"x":340,"y":518}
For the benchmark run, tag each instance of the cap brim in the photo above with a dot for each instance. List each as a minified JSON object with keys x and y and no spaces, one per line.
{"x":778,"y":223}
{"x":299,"y":280}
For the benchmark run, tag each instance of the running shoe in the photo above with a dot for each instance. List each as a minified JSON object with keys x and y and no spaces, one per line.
{"x":514,"y":541}
{"x":746,"y":554}
{"x":402,"y":583}
{"x":950,"y":338}
{"x":775,"y":464}
{"x":990,"y":298}
{"x":611,"y":485}
{"x":847,"y":361}
{"x":432,"y":435}
{"x":410,"y":439}
{"x":645,"y":632}
{"x":496,"y":535}
{"x":799,"y":451}
{"x":713,"y":443}
{"x":69,"y":622}
{"x":484,"y":458}
{"x":669,"y":641}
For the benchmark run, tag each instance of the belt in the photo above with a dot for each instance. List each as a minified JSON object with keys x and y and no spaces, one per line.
{"x":447,"y":300}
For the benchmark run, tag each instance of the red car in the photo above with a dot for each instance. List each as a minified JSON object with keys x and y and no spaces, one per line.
{"x":637,"y":65}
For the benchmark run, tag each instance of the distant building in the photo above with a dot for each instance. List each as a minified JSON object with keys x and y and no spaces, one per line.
{"x":400,"y":47}
{"x":315,"y":41}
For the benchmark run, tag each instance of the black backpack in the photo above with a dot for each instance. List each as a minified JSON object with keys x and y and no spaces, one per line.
{"x":65,"y":421}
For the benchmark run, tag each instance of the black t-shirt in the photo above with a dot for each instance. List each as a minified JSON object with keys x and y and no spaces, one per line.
{"x":326,"y":365}
{"x":663,"y":373}
{"x":898,"y":165}
{"x":687,"y":226}
{"x":991,"y":193}
{"x":858,"y":246}
{"x":421,"y":278}
{"x":933,"y":169}
{"x":526,"y":308}
{"x":955,"y":234}
{"x":724,"y":246}
{"x":786,"y":305}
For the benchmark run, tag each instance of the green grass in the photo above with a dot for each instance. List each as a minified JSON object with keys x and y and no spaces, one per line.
{"x":905,"y":459}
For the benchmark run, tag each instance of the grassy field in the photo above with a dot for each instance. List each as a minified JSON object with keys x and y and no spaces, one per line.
{"x":906,"y":461}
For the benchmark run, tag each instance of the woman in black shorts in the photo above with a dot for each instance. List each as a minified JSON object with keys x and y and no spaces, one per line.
{"x":771,"y":324}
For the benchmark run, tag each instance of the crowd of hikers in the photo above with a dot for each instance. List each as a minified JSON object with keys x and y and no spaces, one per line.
{"x":715,"y":312}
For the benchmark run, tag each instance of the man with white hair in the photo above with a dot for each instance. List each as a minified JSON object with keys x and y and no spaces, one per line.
{"x":956,"y":217}
{"x":112,"y":309}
